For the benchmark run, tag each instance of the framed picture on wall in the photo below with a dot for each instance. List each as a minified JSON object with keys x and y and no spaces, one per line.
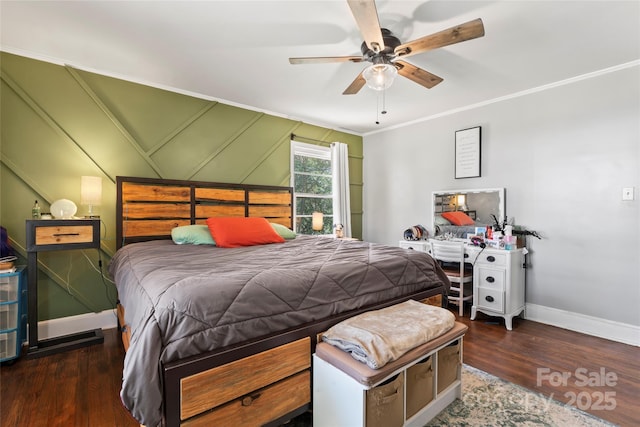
{"x":468,"y":153}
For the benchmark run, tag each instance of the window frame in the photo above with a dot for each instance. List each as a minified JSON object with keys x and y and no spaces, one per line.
{"x":318,"y":152}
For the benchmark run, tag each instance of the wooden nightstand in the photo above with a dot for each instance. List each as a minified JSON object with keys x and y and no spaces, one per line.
{"x":56,"y":235}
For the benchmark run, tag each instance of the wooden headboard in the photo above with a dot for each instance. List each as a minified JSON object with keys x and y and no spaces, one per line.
{"x":148,"y":208}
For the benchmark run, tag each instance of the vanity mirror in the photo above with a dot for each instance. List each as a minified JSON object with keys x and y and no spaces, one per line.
{"x":478,"y":204}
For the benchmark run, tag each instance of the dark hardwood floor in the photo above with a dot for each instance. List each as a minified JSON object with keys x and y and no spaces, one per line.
{"x":75,"y":388}
{"x":604,"y":375}
{"x":81,"y":387}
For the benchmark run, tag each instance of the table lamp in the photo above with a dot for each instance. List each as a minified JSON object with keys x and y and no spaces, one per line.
{"x":91,"y":193}
{"x":317,"y":221}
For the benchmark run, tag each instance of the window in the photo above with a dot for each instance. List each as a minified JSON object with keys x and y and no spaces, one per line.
{"x":312,"y":184}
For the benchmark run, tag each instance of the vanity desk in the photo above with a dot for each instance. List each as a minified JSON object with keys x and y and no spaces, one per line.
{"x":498,"y":282}
{"x":498,"y":279}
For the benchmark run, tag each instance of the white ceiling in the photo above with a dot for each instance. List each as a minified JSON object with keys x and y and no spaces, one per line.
{"x":237,"y":51}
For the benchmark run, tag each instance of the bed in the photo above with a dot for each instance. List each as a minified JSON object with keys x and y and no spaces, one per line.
{"x":457,"y":231}
{"x":224,"y":336}
{"x":454,"y":231}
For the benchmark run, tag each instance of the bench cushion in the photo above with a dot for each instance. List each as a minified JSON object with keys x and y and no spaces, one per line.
{"x":378,"y":337}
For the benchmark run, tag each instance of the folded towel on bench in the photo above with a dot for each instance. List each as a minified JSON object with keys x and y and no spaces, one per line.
{"x":380,"y":336}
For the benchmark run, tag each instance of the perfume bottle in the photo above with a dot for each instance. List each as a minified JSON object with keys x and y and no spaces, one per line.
{"x":35,"y":211}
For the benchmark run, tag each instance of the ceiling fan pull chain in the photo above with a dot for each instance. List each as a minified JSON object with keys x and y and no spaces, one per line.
{"x":384,"y":102}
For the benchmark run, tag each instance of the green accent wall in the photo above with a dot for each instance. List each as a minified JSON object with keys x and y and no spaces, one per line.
{"x":59,"y":123}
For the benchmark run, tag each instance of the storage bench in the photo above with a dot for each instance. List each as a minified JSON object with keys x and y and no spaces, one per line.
{"x":408,"y":391}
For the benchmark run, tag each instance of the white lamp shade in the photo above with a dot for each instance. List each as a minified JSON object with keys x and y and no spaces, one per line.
{"x":462,"y":202}
{"x":91,"y":190}
{"x":317,"y":221}
{"x":379,"y":76}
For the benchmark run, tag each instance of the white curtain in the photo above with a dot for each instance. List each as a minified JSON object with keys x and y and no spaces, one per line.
{"x":341,"y":198}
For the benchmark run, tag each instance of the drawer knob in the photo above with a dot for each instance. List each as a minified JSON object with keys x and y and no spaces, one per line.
{"x":248,"y":400}
{"x":491,"y":258}
{"x":489,"y":298}
{"x":491,"y":279}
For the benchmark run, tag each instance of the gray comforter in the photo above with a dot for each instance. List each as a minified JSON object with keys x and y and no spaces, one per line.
{"x":183,"y":300}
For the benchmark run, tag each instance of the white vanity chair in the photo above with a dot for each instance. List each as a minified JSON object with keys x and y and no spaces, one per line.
{"x":451,"y":254}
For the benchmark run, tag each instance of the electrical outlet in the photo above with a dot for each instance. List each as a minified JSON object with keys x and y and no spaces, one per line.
{"x":627,"y":193}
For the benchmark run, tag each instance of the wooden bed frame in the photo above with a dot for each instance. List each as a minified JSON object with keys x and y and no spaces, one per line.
{"x":148,"y":208}
{"x":265,"y":381}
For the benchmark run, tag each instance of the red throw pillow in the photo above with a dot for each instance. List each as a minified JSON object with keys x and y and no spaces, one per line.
{"x":456,"y":218}
{"x":234,"y":232}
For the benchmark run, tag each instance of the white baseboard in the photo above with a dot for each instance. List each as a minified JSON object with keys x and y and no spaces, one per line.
{"x":73,"y":324}
{"x":615,"y":331}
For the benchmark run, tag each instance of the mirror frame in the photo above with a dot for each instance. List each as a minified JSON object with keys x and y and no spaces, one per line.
{"x":501,"y":201}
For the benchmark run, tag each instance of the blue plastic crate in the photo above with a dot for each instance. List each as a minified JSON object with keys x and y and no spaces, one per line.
{"x":13,"y":313}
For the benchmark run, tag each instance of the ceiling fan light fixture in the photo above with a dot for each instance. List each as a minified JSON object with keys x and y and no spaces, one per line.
{"x":379,"y":76}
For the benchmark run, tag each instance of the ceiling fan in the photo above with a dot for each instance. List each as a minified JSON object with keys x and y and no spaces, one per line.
{"x":385,"y":51}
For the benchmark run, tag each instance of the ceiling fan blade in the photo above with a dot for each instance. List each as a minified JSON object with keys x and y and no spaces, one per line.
{"x":467,"y":31}
{"x":366,"y":16}
{"x":418,"y":75}
{"x":355,"y":86}
{"x":325,"y":59}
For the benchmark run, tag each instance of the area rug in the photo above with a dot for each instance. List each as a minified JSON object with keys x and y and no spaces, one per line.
{"x":490,"y":401}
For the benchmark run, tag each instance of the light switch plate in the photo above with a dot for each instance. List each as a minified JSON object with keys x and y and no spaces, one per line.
{"x":627,"y":193}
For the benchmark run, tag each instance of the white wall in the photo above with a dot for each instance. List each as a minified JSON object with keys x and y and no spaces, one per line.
{"x":563,"y":154}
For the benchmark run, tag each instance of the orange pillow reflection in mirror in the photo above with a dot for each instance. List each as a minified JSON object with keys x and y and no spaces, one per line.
{"x":458,"y":218}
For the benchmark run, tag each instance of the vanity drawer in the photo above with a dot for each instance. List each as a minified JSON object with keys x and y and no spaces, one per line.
{"x":491,"y":299}
{"x":491,"y":278}
{"x":493,"y":259}
{"x":416,"y":245}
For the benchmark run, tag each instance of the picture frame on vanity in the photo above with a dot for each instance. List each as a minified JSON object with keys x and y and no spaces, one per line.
{"x":468,"y":152}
